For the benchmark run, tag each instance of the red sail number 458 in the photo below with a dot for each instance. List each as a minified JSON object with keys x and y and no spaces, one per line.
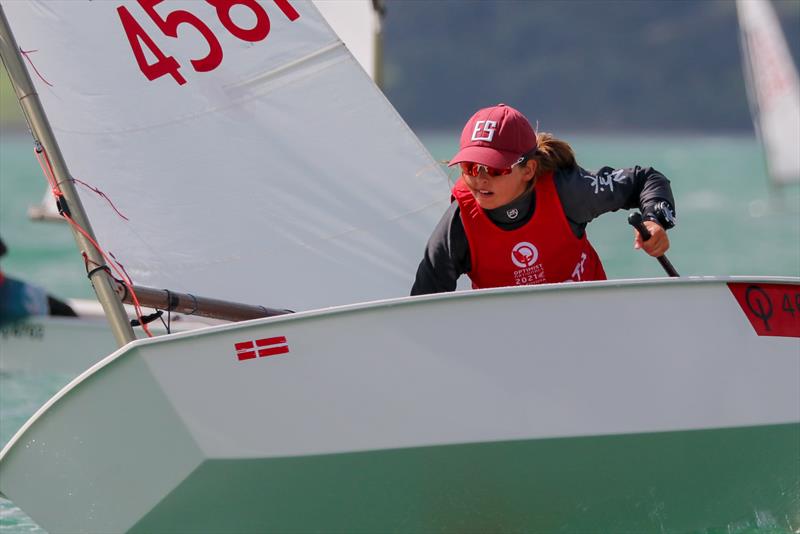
{"x":168,"y":23}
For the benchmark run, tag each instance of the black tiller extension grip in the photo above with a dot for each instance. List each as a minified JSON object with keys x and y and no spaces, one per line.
{"x":635,"y":220}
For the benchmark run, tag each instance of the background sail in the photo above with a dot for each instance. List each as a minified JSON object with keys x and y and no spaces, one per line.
{"x":281,"y":176}
{"x":358,"y":25}
{"x":773,"y":88}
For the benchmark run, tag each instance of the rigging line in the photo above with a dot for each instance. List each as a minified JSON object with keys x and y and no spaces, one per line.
{"x":137,"y":305}
{"x":25,"y":54}
{"x":97,"y":191}
{"x":169,"y":312}
{"x":126,"y":280}
{"x":47,"y":170}
{"x":56,"y":186}
{"x":161,"y":318}
{"x":194,"y":308}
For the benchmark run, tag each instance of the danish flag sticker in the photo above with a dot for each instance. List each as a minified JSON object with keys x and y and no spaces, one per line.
{"x":261,"y":348}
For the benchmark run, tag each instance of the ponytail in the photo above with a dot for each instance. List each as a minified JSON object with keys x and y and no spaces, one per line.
{"x":552,"y":154}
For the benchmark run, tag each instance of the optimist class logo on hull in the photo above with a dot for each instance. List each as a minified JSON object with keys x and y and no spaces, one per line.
{"x":261,"y":348}
{"x":772,"y":309}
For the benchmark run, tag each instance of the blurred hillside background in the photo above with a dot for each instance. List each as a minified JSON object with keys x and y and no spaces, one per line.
{"x":579,"y":65}
{"x":574,"y":65}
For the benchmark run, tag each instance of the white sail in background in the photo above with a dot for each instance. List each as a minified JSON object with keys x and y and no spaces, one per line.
{"x":312,"y":192}
{"x":773,"y":88}
{"x":358,"y":25}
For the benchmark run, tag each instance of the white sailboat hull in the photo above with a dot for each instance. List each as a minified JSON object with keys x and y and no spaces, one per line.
{"x":46,"y":344}
{"x":516,"y":408}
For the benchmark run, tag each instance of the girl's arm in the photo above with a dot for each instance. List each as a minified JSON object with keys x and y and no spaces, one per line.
{"x":586,"y":195}
{"x":446,"y":255}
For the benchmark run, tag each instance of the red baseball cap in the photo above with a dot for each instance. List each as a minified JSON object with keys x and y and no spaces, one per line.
{"x":496,"y":136}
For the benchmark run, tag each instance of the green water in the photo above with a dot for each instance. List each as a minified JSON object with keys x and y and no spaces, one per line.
{"x":692,"y":481}
{"x":730,"y":223}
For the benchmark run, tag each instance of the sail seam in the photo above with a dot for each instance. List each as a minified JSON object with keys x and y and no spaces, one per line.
{"x":283,"y":68}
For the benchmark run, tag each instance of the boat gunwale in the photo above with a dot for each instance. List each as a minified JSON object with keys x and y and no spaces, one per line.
{"x":387,"y":303}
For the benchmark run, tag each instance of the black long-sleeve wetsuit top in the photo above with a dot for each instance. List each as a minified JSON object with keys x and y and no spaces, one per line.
{"x":584,"y":195}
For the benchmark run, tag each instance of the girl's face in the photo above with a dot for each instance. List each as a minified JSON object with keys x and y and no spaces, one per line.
{"x":494,"y":191}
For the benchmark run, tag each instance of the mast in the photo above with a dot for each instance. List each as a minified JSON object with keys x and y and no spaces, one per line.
{"x":42,"y":132}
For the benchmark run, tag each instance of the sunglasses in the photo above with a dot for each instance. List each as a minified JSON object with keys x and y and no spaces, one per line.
{"x":470,"y":168}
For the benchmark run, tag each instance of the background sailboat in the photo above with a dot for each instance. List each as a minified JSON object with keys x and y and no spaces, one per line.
{"x":392,"y":412}
{"x":773,"y":89}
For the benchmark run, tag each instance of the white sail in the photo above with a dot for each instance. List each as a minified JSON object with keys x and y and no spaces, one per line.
{"x":358,"y":25}
{"x":773,"y":88}
{"x":255,"y":212}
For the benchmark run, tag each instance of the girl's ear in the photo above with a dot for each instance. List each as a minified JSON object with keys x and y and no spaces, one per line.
{"x":530,"y":170}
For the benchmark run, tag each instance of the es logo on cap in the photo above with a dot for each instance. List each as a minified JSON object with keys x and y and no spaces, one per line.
{"x":484,"y":126}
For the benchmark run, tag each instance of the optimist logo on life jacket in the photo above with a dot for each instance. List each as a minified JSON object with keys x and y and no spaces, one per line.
{"x":524,"y":254}
{"x":484,"y":126}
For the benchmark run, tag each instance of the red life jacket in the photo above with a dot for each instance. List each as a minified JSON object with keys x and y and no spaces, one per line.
{"x":543,"y":251}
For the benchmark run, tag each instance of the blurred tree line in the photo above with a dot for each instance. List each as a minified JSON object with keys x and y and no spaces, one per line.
{"x":574,"y":65}
{"x":577,"y":65}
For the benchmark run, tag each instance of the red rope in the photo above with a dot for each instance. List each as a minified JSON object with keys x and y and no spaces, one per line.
{"x":25,"y":53}
{"x":94,"y":189}
{"x":124,"y":279}
{"x":56,"y":188}
{"x":47,"y":169}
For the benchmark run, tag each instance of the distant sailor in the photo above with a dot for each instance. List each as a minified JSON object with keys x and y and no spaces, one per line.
{"x":519,"y":210}
{"x":19,"y":299}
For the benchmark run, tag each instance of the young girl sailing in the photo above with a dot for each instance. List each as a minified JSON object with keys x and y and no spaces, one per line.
{"x":520,"y":208}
